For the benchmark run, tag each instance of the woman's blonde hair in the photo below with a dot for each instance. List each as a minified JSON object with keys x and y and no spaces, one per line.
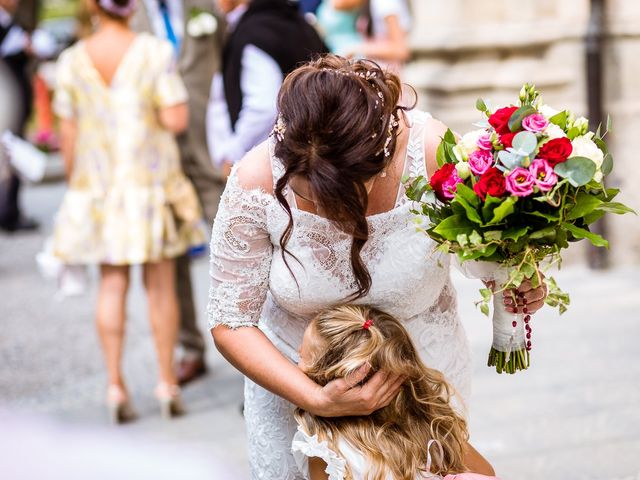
{"x":393,"y":439}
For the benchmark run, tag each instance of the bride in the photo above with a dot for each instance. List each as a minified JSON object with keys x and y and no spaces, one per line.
{"x":317,"y":216}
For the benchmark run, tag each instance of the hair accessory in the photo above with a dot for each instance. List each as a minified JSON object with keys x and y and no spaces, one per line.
{"x":280,"y":128}
{"x":367,"y":324}
{"x":118,"y":10}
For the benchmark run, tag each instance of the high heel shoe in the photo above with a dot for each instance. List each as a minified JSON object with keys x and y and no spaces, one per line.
{"x":119,"y":406}
{"x":169,"y":399}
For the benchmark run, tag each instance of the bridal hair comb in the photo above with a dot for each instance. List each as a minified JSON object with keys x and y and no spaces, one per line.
{"x":280,"y":128}
{"x":119,"y":10}
{"x":367,"y":324}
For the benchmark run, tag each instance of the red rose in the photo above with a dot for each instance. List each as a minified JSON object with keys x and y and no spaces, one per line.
{"x":556,"y":151}
{"x":443,"y":182}
{"x":500,"y":119}
{"x":506,"y":139}
{"x":491,"y":182}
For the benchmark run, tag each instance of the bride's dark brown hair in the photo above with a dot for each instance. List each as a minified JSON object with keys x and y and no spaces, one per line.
{"x":338,"y":116}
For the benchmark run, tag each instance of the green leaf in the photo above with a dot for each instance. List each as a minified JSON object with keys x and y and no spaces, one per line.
{"x":471,"y":213}
{"x":526,"y":142}
{"x":601,"y":145}
{"x":578,"y":170}
{"x":484,"y":308}
{"x":589,"y":218}
{"x":514,"y":233}
{"x":417,"y":188}
{"x":450,"y":137}
{"x":609,"y":124}
{"x":489,"y":205}
{"x":481,"y":105}
{"x":547,"y":233}
{"x":584,"y":204}
{"x":578,"y":232}
{"x":515,"y":121}
{"x":546,"y":216}
{"x":561,"y":238}
{"x":492,"y":235}
{"x":475,"y":238}
{"x":441,"y":156}
{"x":462,"y":239}
{"x":573,"y":133}
{"x":453,"y":226}
{"x":615,"y":207}
{"x":607,"y":164}
{"x":468,"y":194}
{"x":503,"y":210}
{"x":560,"y":119}
{"x":528,"y":270}
{"x":486,"y":294}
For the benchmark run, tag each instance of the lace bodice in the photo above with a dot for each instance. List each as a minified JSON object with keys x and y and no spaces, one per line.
{"x":252,"y":286}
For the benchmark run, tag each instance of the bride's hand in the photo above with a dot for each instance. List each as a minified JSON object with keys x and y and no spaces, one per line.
{"x":345,"y":397}
{"x":527,"y":297}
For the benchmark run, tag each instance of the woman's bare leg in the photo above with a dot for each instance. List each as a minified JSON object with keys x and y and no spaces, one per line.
{"x":159,"y":280}
{"x":110,"y":317}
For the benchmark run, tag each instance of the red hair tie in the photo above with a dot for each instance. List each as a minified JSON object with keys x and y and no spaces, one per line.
{"x":367,"y":324}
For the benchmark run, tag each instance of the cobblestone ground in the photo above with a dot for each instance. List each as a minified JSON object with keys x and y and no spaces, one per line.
{"x":574,"y":414}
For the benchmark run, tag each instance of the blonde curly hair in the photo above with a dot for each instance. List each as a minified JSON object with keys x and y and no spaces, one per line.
{"x":393,"y":439}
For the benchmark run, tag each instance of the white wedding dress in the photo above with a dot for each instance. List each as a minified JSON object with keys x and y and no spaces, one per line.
{"x":252,"y":287}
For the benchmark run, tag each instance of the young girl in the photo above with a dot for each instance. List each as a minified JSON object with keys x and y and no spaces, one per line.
{"x":417,"y":436}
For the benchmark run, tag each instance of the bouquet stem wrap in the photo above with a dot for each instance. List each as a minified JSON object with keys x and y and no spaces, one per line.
{"x":508,"y":349}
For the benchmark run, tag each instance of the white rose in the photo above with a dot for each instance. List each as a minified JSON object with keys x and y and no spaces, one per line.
{"x":463,"y":170}
{"x":548,"y":111}
{"x":458,"y":151}
{"x":469,"y":143}
{"x":554,"y":131}
{"x":583,"y":146}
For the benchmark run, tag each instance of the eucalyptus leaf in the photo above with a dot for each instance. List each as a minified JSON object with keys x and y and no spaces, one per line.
{"x":510,"y":159}
{"x":578,"y":232}
{"x":577,"y":170}
{"x":515,"y":121}
{"x":525,"y":142}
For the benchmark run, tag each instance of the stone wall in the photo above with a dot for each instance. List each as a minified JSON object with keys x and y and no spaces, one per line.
{"x":464,"y":49}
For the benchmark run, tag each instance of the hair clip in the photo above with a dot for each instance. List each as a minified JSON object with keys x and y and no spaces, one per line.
{"x":367,"y":324}
{"x":280,"y":128}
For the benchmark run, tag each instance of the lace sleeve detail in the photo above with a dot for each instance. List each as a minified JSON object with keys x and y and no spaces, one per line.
{"x":305,"y":446}
{"x":241,"y":252}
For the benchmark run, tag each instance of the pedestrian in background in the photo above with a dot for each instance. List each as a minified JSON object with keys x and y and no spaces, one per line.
{"x":267,"y":40}
{"x":121,"y":101}
{"x":388,"y":24}
{"x":195,"y":31}
{"x":15,"y":58}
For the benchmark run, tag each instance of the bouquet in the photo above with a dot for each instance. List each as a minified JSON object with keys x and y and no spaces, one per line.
{"x":508,"y":197}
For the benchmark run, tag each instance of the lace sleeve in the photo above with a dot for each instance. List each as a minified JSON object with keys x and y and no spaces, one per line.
{"x":305,"y":446}
{"x":241,"y":252}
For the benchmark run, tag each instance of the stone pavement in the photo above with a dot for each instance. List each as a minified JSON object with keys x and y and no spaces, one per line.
{"x":575,"y":414}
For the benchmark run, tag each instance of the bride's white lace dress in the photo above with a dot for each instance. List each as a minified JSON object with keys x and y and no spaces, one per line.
{"x":252,"y":287}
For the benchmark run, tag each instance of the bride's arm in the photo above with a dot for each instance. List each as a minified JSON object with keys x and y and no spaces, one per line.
{"x":241,"y":253}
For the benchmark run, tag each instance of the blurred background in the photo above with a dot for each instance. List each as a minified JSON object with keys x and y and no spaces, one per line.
{"x":574,"y":414}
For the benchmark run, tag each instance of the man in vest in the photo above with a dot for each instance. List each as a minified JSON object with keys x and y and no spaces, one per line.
{"x":267,"y":40}
{"x":196,"y":33}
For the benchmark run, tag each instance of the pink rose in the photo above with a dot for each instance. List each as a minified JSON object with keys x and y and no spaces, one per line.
{"x":535,"y":122}
{"x":543,"y":175}
{"x":480,"y":161}
{"x":444,"y":182}
{"x":484,"y":142}
{"x":520,"y":182}
{"x":450,"y":185}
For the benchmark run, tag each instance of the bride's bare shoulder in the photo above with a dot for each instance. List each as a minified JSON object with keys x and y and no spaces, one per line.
{"x":254,"y":170}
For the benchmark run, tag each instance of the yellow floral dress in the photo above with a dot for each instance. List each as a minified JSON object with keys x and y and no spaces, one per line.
{"x":128,"y":200}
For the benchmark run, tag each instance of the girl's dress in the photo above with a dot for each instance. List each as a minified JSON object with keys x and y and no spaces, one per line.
{"x":305,"y":446}
{"x":251,"y":286}
{"x":338,"y":28}
{"x":128,"y":200}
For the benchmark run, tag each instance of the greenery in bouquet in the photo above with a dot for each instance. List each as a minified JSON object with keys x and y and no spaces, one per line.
{"x":518,"y":190}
